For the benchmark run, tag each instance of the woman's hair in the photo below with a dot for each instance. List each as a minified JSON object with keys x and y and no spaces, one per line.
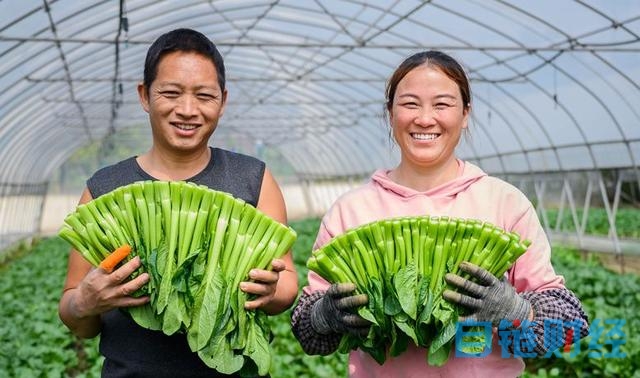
{"x":434,"y":59}
{"x":186,"y":40}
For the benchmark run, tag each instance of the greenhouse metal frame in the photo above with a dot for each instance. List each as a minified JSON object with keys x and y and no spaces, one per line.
{"x":556,"y":89}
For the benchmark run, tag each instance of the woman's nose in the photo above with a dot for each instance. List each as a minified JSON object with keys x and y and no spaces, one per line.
{"x":425,"y":117}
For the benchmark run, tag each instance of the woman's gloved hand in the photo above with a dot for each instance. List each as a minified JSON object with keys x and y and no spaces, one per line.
{"x":335,"y":312}
{"x":489,"y":299}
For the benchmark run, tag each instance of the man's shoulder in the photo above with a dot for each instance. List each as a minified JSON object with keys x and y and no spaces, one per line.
{"x":109,"y":170}
{"x":235,"y":157}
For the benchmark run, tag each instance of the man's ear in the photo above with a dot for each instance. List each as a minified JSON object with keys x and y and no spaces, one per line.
{"x":224,"y":103}
{"x":143,"y":96}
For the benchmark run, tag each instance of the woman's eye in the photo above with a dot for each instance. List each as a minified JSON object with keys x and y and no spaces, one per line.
{"x":442,"y":105}
{"x":410,"y":104}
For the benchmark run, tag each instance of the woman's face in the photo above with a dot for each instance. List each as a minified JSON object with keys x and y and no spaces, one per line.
{"x":184,"y":102}
{"x":427,"y":117}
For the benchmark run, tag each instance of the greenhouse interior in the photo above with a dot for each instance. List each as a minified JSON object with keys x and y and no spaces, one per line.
{"x":555,"y":112}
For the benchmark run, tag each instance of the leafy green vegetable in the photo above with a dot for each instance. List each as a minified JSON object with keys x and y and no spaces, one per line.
{"x":400,"y":264}
{"x":197,"y":245}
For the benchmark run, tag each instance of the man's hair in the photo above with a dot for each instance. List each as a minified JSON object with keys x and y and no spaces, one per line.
{"x":186,"y":40}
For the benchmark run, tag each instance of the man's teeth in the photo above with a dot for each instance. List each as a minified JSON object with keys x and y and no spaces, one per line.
{"x":424,"y":136}
{"x":183,"y":126}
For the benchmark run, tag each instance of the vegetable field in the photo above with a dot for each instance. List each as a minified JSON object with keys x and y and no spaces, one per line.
{"x":34,"y":343}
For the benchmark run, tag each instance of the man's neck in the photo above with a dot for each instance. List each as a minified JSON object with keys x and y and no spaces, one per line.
{"x":174,"y":167}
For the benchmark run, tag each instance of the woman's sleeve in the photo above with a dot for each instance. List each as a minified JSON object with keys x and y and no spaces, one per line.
{"x":552,"y":308}
{"x":535,"y":279}
{"x":311,"y":341}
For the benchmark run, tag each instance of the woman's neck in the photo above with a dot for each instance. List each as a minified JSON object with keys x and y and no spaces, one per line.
{"x":171,"y":166}
{"x":421,"y":178}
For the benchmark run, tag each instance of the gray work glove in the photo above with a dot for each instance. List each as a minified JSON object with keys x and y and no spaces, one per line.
{"x":335,"y":312}
{"x":488,"y":298}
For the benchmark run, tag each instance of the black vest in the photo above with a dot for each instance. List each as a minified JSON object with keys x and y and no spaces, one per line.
{"x":133,"y":351}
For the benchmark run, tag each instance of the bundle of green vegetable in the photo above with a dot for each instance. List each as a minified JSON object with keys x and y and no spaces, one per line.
{"x":400,"y":264}
{"x":197,"y":245}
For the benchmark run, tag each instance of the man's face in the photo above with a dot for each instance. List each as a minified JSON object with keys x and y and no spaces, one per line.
{"x":184,"y":102}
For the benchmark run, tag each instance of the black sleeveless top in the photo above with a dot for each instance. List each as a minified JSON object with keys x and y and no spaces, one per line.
{"x":133,"y":351}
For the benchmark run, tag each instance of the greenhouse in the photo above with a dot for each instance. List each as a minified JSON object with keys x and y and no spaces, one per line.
{"x":555,"y":95}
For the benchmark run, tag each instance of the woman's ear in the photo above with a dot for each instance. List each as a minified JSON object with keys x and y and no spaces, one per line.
{"x":466,"y":112}
{"x":390,"y":115}
{"x":143,"y":96}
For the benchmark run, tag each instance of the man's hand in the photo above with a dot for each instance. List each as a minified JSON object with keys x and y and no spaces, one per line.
{"x":101,"y":291}
{"x":264,"y":284}
{"x":488,"y":298}
{"x":335,"y":312}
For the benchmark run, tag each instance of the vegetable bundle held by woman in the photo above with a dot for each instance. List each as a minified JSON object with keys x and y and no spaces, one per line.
{"x":184,"y":94}
{"x":428,"y":101}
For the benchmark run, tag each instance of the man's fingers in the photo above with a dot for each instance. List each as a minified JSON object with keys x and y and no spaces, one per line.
{"x":132,"y":286}
{"x":133,"y":302}
{"x":266,"y":276}
{"x":122,"y":273}
{"x":482,"y":275}
{"x":463,"y":300}
{"x":278,"y":265}
{"x":257,"y":288}
{"x":464,"y":284}
{"x":351,"y":302}
{"x":341,"y":289}
{"x":256,"y":303}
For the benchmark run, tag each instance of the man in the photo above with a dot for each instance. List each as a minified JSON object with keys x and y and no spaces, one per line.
{"x":184,"y":94}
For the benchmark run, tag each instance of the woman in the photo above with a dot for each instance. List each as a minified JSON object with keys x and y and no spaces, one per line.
{"x":428,"y":101}
{"x":184,"y":94}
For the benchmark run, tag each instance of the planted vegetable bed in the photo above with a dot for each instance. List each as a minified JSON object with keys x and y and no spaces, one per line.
{"x":34,"y":343}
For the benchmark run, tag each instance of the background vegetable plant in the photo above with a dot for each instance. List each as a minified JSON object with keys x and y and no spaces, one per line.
{"x":34,"y":343}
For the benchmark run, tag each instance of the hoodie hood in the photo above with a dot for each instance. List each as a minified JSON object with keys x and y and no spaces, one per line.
{"x":467,"y":175}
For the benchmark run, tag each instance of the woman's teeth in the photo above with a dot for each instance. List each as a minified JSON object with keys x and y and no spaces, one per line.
{"x":424,"y":136}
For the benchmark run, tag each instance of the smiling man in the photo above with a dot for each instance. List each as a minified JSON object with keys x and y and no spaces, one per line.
{"x":184,"y":94}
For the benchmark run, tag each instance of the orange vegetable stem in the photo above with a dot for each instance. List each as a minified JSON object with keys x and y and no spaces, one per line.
{"x":110,"y":262}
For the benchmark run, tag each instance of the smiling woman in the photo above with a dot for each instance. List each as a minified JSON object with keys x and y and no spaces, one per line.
{"x":428,"y":104}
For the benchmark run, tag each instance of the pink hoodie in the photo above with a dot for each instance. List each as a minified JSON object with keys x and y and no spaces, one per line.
{"x":473,"y":194}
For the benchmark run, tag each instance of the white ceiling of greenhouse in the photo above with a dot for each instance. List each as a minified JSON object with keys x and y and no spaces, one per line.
{"x":556,"y":84}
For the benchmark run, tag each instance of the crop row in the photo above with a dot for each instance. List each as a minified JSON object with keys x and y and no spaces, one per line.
{"x":34,"y":343}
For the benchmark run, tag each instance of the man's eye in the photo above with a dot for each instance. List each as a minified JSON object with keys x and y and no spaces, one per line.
{"x":171,"y":94}
{"x":205,"y":96}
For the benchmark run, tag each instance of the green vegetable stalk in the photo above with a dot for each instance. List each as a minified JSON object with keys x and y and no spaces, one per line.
{"x":197,"y":245}
{"x":400,"y":264}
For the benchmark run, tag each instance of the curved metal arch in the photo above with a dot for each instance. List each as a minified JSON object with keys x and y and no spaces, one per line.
{"x":537,"y":121}
{"x":15,"y":159}
{"x":496,"y":60}
{"x":473,"y":20}
{"x":490,"y":139}
{"x":528,"y":79}
{"x":55,"y":160}
{"x":338,"y":54}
